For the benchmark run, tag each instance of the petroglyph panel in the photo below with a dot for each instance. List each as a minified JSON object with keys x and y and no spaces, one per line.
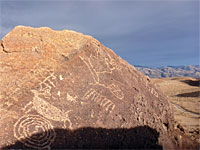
{"x":76,"y":84}
{"x":109,"y":66}
{"x":37,"y":74}
{"x":114,"y":89}
{"x":28,"y":125}
{"x":47,"y":110}
{"x":104,"y":102}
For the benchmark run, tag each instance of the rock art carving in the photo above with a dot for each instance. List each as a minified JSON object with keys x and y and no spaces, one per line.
{"x":111,"y":63}
{"x":28,"y":125}
{"x":47,"y":110}
{"x":46,"y":85}
{"x":93,"y":97}
{"x":96,"y":45}
{"x":43,"y":107}
{"x":71,"y":98}
{"x":37,"y":73}
{"x":114,"y":89}
{"x":104,"y":102}
{"x":92,"y":71}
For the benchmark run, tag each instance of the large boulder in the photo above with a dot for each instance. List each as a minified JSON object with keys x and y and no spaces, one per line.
{"x":63,"y":89}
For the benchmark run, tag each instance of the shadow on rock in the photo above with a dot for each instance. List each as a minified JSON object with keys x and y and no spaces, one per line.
{"x":142,"y":137}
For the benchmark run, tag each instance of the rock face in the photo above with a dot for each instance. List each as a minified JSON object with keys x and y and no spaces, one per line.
{"x":53,"y":81}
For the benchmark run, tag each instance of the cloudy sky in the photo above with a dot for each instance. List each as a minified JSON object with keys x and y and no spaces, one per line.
{"x":143,"y":32}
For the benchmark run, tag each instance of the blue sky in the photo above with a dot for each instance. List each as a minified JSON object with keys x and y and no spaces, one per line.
{"x":143,"y":32}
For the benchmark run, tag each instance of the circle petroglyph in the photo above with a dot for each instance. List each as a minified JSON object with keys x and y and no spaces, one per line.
{"x":34,"y":131}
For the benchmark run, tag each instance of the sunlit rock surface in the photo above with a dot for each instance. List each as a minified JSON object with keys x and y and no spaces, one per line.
{"x":64,"y":80}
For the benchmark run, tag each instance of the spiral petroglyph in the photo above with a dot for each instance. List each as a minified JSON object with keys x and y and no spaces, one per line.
{"x":26,"y":128}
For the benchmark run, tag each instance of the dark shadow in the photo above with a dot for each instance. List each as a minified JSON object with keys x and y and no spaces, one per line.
{"x":192,"y":82}
{"x":191,"y":94}
{"x":142,"y":137}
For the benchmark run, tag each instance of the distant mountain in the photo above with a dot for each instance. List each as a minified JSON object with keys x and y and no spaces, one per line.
{"x":171,"y":71}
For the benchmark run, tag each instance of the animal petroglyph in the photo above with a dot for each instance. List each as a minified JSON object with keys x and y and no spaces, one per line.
{"x":114,"y":89}
{"x":47,"y":110}
{"x":28,"y":125}
{"x":109,"y":62}
{"x":104,"y":102}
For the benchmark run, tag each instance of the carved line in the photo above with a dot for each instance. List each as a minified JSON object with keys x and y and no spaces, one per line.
{"x":71,"y":98}
{"x":111,"y":61}
{"x":96,"y":45}
{"x":93,"y":72}
{"x":46,"y":85}
{"x":104,"y":102}
{"x":34,"y":75}
{"x":114,"y":89}
{"x":47,"y":110}
{"x":44,"y":108}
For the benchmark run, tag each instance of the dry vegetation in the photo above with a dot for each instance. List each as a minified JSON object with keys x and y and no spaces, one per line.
{"x":184,"y":96}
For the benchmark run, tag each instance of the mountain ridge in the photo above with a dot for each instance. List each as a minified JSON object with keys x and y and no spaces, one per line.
{"x":170,"y":71}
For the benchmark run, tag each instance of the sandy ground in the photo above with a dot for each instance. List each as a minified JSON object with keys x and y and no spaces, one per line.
{"x":184,"y":96}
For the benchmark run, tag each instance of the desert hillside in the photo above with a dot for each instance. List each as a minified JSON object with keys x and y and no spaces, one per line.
{"x":184,"y":96}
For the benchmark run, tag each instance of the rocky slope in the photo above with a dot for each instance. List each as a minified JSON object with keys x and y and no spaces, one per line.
{"x":171,"y":71}
{"x":63,"y":89}
{"x":184,"y":95}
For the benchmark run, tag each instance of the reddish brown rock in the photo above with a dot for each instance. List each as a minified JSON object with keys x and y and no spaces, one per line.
{"x":63,"y":89}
